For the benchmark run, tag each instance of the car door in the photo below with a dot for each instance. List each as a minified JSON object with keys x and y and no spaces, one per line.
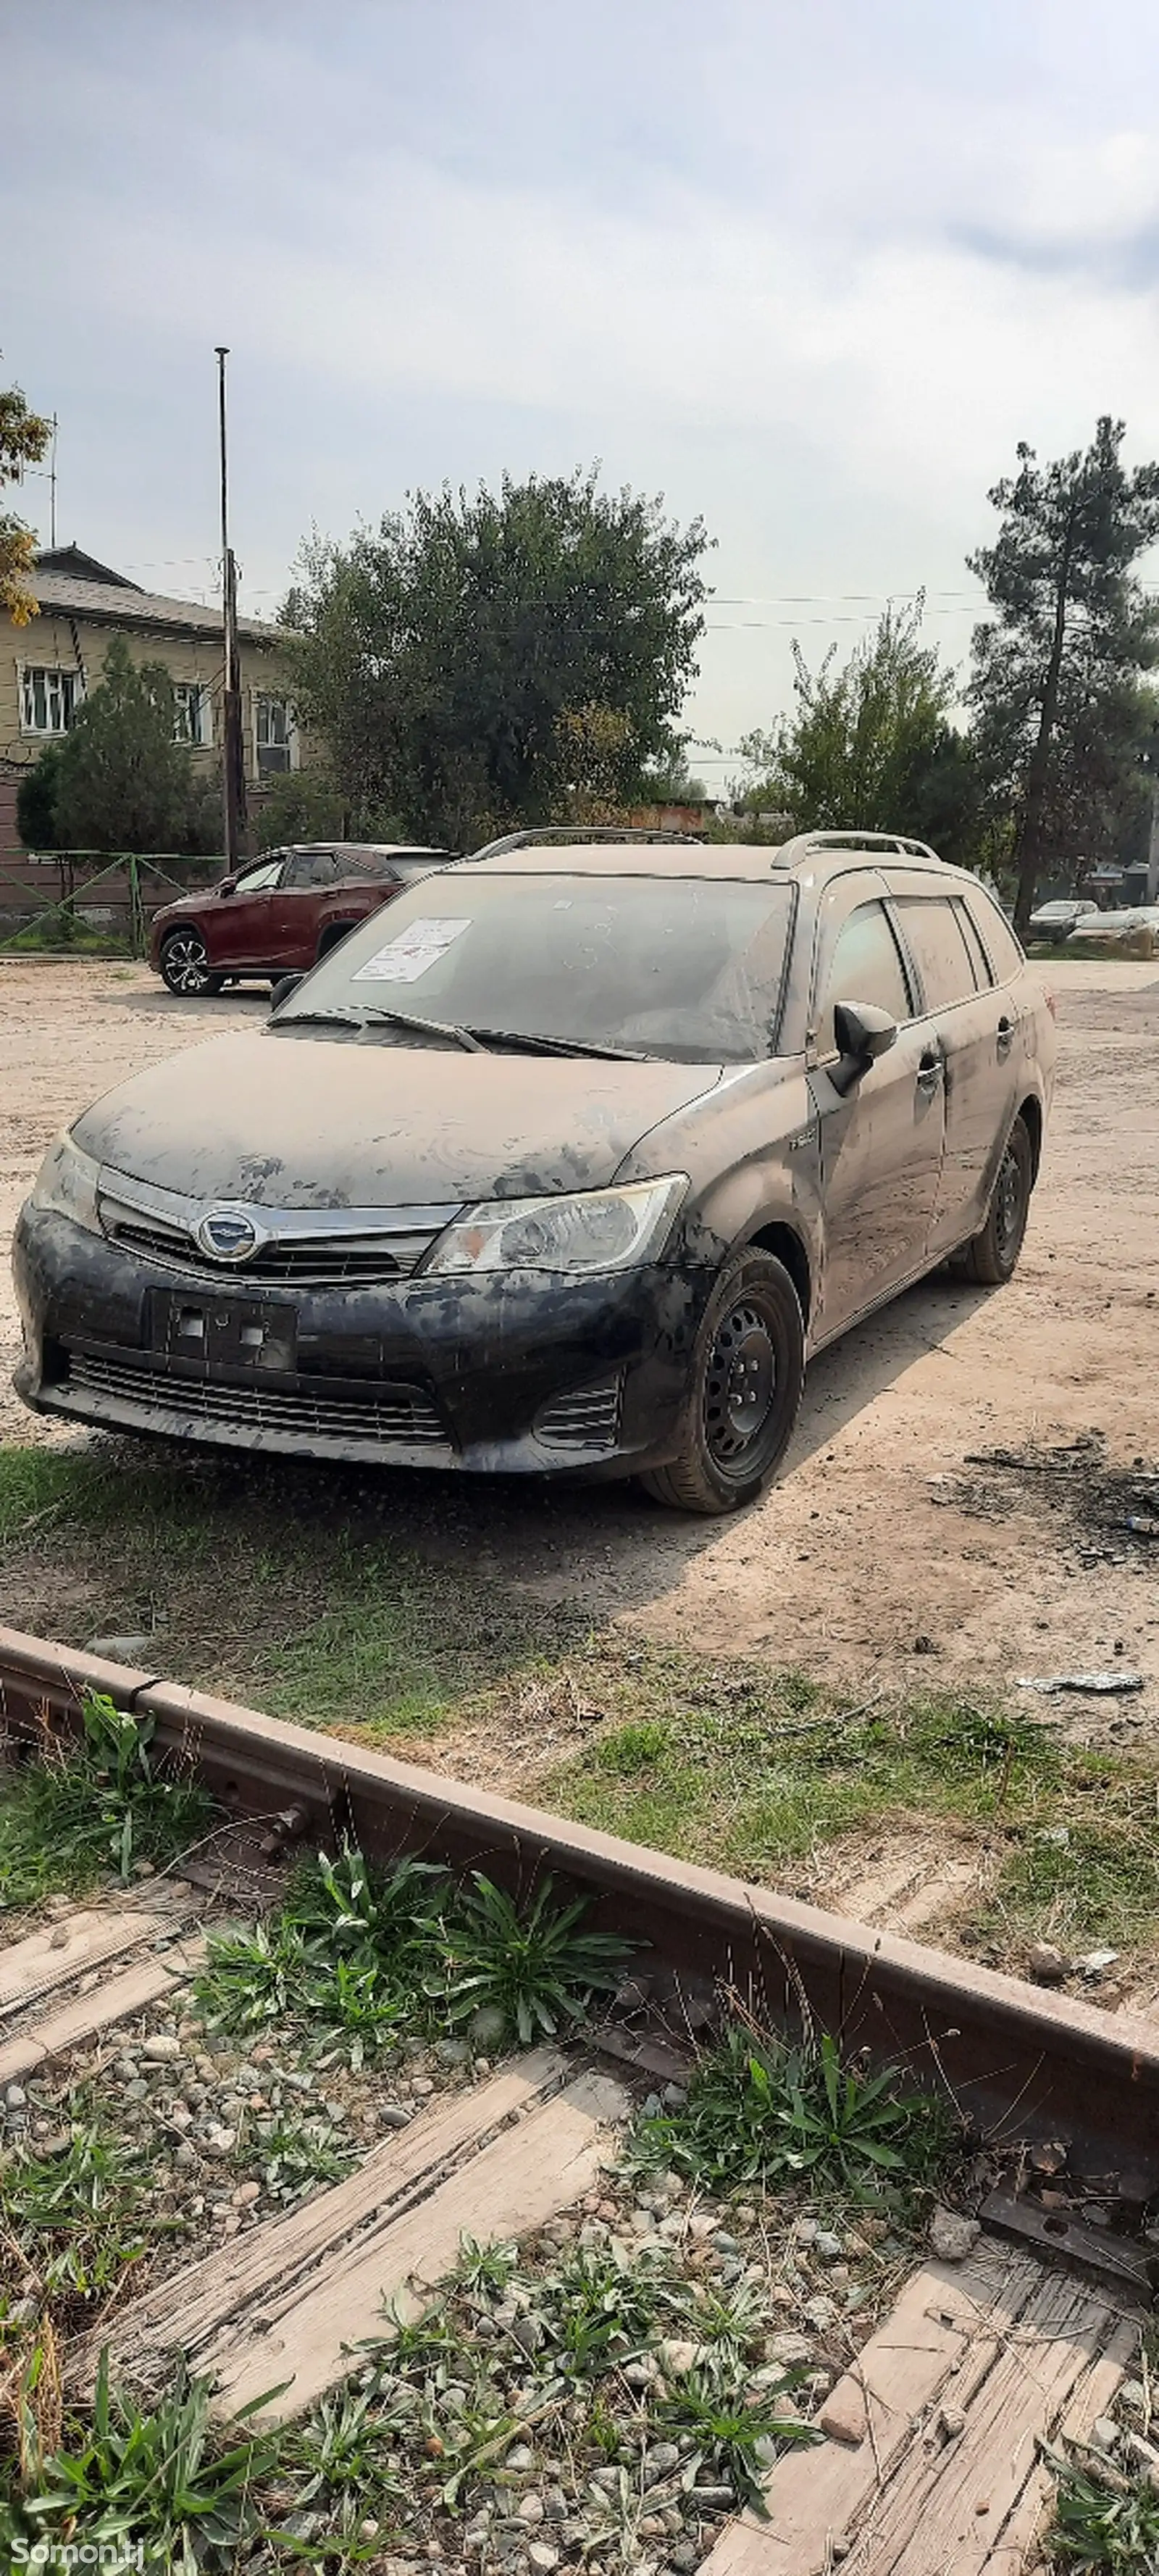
{"x":880,"y":1143}
{"x":241,"y":925}
{"x":974,"y":1026}
{"x":296,"y":916}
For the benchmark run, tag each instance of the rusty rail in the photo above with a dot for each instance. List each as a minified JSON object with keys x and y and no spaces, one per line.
{"x":1023,"y":2062}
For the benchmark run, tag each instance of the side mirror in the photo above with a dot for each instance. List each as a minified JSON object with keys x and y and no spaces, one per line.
{"x":862,"y":1033}
{"x":227,"y":885}
{"x":286,"y":984}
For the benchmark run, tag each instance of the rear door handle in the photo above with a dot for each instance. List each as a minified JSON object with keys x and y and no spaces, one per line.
{"x":930,"y":1070}
{"x":1005,"y":1035}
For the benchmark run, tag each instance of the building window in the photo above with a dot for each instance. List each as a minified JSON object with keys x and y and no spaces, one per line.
{"x":275,"y":734}
{"x":48,"y":699}
{"x":191,"y":721}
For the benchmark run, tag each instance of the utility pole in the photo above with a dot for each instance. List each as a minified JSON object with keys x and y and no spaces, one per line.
{"x":232,"y":744}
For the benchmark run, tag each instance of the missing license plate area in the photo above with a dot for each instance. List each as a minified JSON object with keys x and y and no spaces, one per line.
{"x":225,"y":1332}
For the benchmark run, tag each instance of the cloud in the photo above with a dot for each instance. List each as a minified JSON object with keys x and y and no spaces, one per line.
{"x":813,"y":273}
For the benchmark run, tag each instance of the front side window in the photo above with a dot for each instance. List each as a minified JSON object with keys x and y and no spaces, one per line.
{"x":48,"y":698}
{"x":865,"y":967}
{"x":687,"y":969}
{"x":274,"y":730}
{"x":191,"y":722}
{"x":936,"y":941}
{"x":260,"y":879}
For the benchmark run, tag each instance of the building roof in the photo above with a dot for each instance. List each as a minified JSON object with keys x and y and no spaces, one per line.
{"x":64,"y":578}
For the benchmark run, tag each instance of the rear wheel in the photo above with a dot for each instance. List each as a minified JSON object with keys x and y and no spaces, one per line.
{"x":992,"y":1255}
{"x":185,"y":964}
{"x":744,"y":1392}
{"x":332,"y":936}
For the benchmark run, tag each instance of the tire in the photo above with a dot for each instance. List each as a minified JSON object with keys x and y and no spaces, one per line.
{"x":744,"y":1391}
{"x":332,"y":937}
{"x":991,"y":1257}
{"x":185,"y":965}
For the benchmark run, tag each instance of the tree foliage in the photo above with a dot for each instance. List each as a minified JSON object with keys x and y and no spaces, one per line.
{"x":24,"y":438}
{"x":870,"y":744}
{"x":123,"y":783}
{"x":36,"y":819}
{"x":1057,"y":692}
{"x":488,"y":661}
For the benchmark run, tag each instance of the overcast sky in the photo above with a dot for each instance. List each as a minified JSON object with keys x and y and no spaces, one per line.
{"x":808,"y":267}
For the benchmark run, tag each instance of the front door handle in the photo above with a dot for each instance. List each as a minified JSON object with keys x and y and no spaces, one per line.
{"x":930,"y":1070}
{"x":1005,"y":1035}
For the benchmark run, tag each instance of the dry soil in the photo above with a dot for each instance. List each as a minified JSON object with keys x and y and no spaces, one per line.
{"x":880,"y":1533}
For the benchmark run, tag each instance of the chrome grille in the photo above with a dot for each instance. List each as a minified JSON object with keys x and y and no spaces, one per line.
{"x":339,"y":1261}
{"x":589,"y":1418}
{"x":401,"y":1415}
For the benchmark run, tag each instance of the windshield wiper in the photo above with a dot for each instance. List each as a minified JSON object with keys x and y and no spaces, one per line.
{"x":431,"y":1028}
{"x":477,"y":1041}
{"x":537,"y":1045}
{"x":344,"y":1017}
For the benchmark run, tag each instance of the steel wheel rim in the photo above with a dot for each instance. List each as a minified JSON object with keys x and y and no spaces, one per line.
{"x":740,"y":1384}
{"x":186,"y":961}
{"x":1008,"y":1202}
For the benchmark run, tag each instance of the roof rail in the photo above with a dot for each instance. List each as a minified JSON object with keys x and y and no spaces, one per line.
{"x":896,"y":842}
{"x":578,"y":832}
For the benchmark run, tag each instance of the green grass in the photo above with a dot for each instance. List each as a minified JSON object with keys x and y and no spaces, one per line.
{"x":749,"y":1768}
{"x":1105,"y":2524}
{"x":92,"y":1807}
{"x":366,"y":1952}
{"x":762,"y":2111}
{"x":275,"y":1581}
{"x":281,"y":1584}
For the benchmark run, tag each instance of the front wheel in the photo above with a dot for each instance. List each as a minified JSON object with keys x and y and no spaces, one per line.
{"x":992,"y":1255}
{"x":185,"y":964}
{"x":744,"y":1391}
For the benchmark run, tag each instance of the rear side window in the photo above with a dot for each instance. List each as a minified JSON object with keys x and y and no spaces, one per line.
{"x":937,"y":944}
{"x":865,"y":967}
{"x":314,"y":868}
{"x":998,"y":940}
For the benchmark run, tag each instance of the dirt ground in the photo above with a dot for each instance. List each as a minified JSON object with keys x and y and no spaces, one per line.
{"x":881,"y":1532}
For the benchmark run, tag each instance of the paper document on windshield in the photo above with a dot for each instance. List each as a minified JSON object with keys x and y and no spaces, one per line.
{"x":408,"y":956}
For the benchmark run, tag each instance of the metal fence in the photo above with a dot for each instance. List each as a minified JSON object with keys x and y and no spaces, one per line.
{"x":54,"y":898}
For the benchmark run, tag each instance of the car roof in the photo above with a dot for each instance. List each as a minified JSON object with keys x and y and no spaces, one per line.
{"x":360,"y":850}
{"x":808,"y":854}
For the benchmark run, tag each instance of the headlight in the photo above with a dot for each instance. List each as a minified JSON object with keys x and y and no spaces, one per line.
{"x":596,"y":1231}
{"x":67,"y":1183}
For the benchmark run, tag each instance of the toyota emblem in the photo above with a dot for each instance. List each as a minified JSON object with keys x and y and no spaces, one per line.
{"x":228,"y":1234}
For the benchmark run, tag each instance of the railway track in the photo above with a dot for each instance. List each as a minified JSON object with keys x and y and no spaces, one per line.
{"x":929,"y":2426}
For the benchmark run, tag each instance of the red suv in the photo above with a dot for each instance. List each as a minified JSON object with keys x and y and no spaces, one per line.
{"x":281,"y":914}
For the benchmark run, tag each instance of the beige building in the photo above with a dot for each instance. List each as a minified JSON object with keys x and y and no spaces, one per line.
{"x":47,"y":667}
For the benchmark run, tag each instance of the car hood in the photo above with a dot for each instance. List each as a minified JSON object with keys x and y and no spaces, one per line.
{"x":297,"y":1122}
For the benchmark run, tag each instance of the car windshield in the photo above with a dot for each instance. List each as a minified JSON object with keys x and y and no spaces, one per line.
{"x":686,"y":968}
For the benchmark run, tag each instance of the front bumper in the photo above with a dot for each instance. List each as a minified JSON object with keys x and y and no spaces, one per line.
{"x":510,"y":1373}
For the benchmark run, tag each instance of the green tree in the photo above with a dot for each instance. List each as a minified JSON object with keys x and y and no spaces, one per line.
{"x":1058,"y":706}
{"x":462,"y":660}
{"x":870,"y":744}
{"x":24,"y":438}
{"x":123,"y":782}
{"x":36,"y":801}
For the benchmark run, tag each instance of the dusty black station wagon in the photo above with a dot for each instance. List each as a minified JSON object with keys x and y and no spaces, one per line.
{"x":565,"y":1162}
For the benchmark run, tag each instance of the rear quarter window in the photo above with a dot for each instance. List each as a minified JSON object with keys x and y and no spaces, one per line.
{"x":1004,"y":951}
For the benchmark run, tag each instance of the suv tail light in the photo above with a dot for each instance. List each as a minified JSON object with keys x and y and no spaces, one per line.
{"x":1051,"y":1001}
